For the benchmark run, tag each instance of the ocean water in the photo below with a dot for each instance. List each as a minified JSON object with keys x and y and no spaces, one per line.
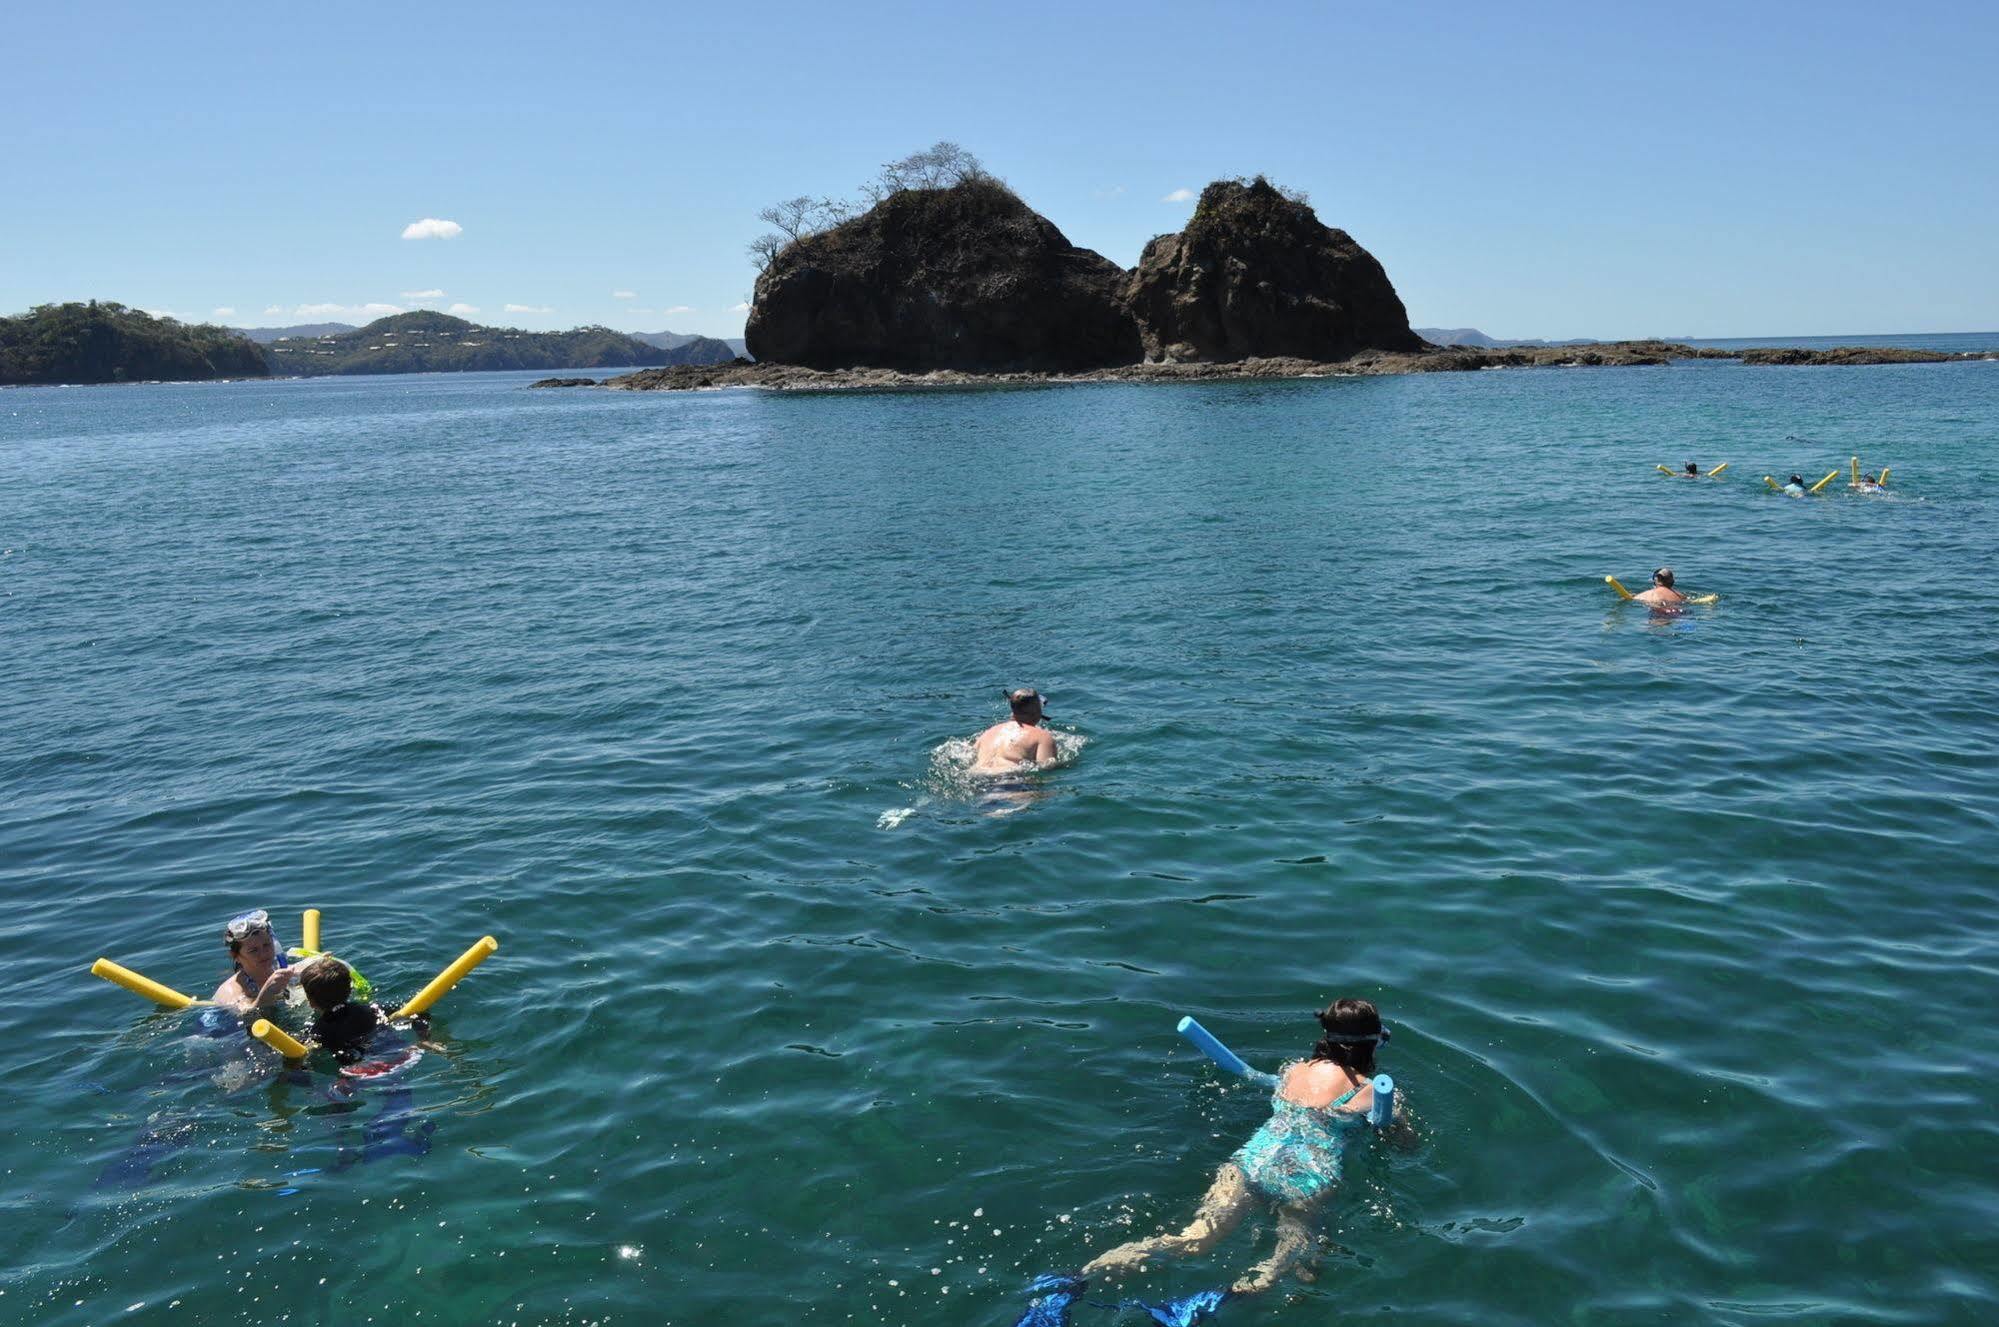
{"x":1957,"y":343}
{"x":1685,"y":926}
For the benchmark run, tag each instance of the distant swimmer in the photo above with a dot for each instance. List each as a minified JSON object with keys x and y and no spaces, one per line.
{"x":261,"y":977}
{"x":1794,"y":487}
{"x":1022,"y":742}
{"x":1662,"y":594}
{"x":1869,"y":484}
{"x":1662,"y":597}
{"x":1693,"y":471}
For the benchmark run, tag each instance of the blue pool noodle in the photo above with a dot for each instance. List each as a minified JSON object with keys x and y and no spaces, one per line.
{"x":1383,"y":1109}
{"x":1220,"y":1054}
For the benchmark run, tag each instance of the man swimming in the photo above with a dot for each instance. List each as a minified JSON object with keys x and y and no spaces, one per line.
{"x":1794,"y":487}
{"x":1022,"y":742}
{"x":1662,"y":594}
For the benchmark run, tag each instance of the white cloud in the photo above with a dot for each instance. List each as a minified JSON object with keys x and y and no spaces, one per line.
{"x":679,"y":308}
{"x":528,"y":308}
{"x":223,"y":312}
{"x":1180,"y":196}
{"x":430,"y":228}
{"x":744,"y":307}
{"x":273,"y":310}
{"x":462,"y":310}
{"x":624,"y":294}
{"x":423,"y":294}
{"x":345,"y":312}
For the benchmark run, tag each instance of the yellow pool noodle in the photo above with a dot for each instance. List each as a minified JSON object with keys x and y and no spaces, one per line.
{"x":1883,"y":480}
{"x":309,"y":931}
{"x":278,"y":1039}
{"x":1717,"y":470}
{"x":1622,"y":593}
{"x":1703,"y":598}
{"x":1856,"y":470}
{"x":1772,"y":483}
{"x":1830,"y":476}
{"x":1662,"y":469}
{"x":448,"y":978}
{"x":138,"y":985}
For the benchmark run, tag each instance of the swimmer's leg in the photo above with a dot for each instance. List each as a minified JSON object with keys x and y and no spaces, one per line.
{"x":1228,"y":1200}
{"x":1294,"y":1242}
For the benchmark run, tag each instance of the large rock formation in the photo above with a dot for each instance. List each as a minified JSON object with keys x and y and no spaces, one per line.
{"x":967,"y":277}
{"x":1257,"y":275}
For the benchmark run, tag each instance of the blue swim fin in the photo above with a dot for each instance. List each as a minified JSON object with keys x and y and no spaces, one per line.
{"x":1054,"y":1294}
{"x":1185,"y":1311}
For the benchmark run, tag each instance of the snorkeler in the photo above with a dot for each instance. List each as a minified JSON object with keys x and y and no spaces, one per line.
{"x":261,"y":976}
{"x":342,"y":1025}
{"x":1869,"y":484}
{"x":1794,"y":487}
{"x":1021,"y":742}
{"x":1662,"y":594}
{"x":1292,"y":1163}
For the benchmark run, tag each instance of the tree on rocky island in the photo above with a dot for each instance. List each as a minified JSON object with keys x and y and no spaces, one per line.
{"x":942,"y":165}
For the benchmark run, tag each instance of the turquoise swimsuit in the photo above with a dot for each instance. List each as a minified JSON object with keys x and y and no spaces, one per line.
{"x":1295,"y":1156}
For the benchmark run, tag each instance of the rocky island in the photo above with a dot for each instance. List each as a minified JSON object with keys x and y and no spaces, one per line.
{"x":958,"y":282}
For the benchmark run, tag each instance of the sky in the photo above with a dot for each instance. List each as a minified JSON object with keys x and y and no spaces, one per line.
{"x":1548,"y":170}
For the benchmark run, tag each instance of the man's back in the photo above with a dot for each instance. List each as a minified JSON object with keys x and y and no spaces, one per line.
{"x":1009,"y":745}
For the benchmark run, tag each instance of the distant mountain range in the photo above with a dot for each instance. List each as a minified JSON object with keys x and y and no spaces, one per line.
{"x":692,"y":349}
{"x":426,"y":342}
{"x":1471,"y":336}
{"x":263,"y":336}
{"x":682,"y":340}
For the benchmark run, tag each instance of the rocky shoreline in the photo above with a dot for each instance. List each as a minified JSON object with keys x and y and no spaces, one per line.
{"x":1619,"y":354}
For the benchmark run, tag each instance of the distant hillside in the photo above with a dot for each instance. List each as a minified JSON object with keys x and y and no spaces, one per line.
{"x":427,"y":342}
{"x":1455,"y":336}
{"x":105,"y":342}
{"x":690,"y":349}
{"x":1471,"y":336}
{"x":263,"y":336}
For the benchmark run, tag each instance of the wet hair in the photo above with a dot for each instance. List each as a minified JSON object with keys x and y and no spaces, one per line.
{"x":1663,"y":576}
{"x":1870,"y":479}
{"x":1798,"y":479}
{"x":328,"y":984}
{"x":1344,"y":1022}
{"x":1693,"y":469}
{"x":1024,"y":700}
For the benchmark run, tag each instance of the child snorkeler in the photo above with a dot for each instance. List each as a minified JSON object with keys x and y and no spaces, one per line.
{"x":1291,"y":1164}
{"x":340,"y":1025}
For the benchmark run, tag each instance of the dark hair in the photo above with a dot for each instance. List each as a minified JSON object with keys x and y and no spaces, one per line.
{"x":1797,"y":479}
{"x":1693,"y":469}
{"x":328,"y":984}
{"x":1663,"y":576}
{"x":1344,"y":1023}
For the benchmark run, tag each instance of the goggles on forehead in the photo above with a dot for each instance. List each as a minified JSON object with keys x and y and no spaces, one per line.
{"x":248,"y":924}
{"x":1356,"y":1038}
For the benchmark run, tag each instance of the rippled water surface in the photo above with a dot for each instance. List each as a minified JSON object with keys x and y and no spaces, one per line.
{"x":1685,"y":927}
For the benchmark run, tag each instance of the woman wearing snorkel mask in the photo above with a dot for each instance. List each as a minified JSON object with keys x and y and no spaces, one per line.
{"x":1291,"y":1164}
{"x":261,"y":976}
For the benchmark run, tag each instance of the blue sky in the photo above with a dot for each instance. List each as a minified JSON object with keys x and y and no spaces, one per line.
{"x":1531,"y":170}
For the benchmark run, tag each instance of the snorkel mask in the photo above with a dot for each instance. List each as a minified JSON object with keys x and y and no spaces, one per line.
{"x":246,"y":925}
{"x":1357,"y":1038}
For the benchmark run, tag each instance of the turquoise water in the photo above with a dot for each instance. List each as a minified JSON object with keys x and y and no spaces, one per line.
{"x":1686,"y":928}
